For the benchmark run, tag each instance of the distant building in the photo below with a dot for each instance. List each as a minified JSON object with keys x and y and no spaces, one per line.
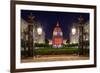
{"x":39,"y":38}
{"x":57,"y":39}
{"x":50,"y":42}
{"x":74,"y":38}
{"x":24,"y":30}
{"x":64,"y":41}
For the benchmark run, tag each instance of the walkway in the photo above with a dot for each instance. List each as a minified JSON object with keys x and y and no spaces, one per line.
{"x":47,"y":58}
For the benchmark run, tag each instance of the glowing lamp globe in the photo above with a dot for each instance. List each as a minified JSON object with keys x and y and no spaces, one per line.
{"x":39,"y":30}
{"x":73,"y":31}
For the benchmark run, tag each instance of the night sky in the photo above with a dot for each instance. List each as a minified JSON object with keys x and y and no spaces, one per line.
{"x":49,"y":19}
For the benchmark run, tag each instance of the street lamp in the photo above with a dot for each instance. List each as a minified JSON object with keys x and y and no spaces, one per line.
{"x":30,"y":36}
{"x":81,"y":31}
{"x":39,"y":30}
{"x":73,"y":30}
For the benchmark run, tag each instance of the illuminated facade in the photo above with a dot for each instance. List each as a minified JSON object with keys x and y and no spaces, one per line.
{"x":37,"y":38}
{"x":57,"y":39}
{"x":74,"y":38}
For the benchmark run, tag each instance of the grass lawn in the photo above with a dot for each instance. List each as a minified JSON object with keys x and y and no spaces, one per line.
{"x":49,"y":58}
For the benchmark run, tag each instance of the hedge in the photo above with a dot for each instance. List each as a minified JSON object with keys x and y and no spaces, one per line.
{"x":55,"y":51}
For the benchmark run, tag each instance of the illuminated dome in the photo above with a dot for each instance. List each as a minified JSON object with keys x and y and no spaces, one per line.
{"x":57,"y":37}
{"x":57,"y":30}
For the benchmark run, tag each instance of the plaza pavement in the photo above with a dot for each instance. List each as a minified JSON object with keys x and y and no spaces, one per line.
{"x":46,"y":58}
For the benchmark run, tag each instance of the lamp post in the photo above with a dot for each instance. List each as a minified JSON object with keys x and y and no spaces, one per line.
{"x":80,"y":27}
{"x":30,"y":36}
{"x":81,"y":31}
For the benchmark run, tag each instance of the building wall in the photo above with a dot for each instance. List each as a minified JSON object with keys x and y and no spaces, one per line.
{"x":23,"y":28}
{"x":74,"y":38}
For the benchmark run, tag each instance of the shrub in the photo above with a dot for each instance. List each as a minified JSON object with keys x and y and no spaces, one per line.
{"x":72,"y":45}
{"x":56,"y":51}
{"x":41,"y":45}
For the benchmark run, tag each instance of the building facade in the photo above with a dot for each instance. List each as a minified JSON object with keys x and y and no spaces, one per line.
{"x":37,"y":38}
{"x":74,"y":38}
{"x":57,"y":39}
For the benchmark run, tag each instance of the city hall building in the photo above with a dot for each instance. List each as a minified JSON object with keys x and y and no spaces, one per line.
{"x":57,"y":39}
